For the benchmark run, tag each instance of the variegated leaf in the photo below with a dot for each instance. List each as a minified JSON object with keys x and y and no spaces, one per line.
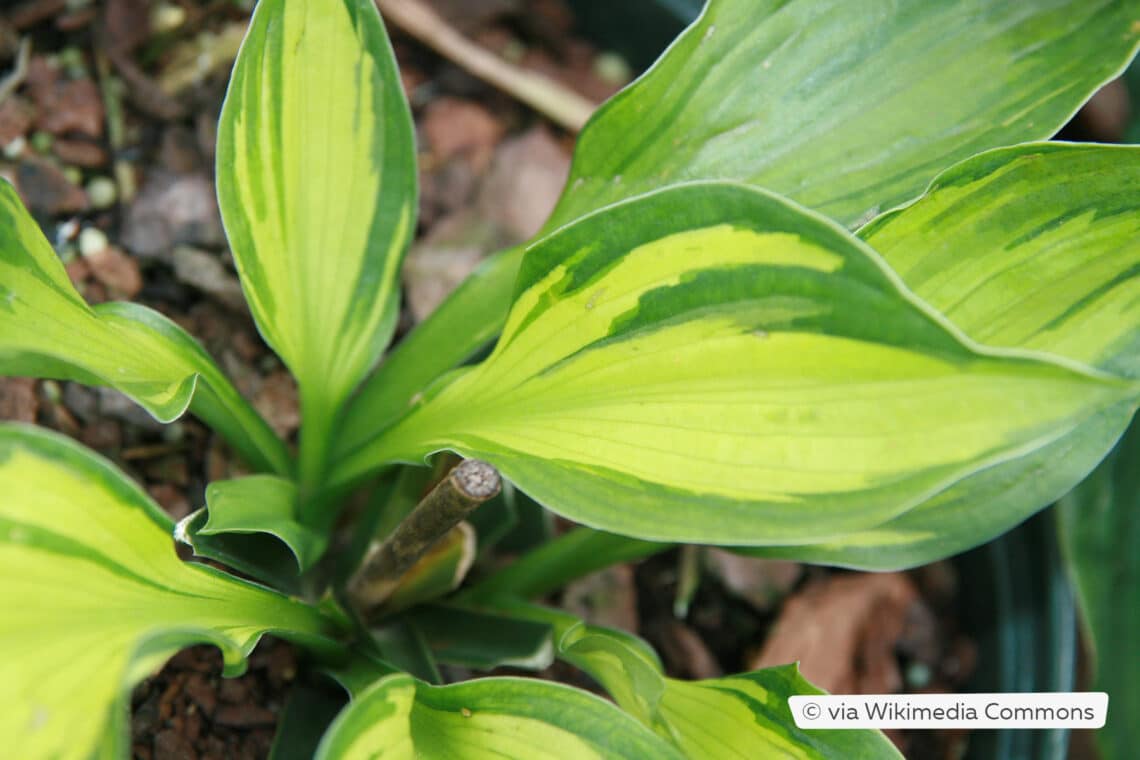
{"x":714,"y":346}
{"x":47,"y":330}
{"x":317,"y":186}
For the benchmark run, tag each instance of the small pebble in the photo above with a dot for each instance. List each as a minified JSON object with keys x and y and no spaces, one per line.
{"x":51,"y":390}
{"x":65,"y":232}
{"x":514,"y":51}
{"x":41,"y":141}
{"x":167,"y":17}
{"x":92,"y":241}
{"x":917,"y":675}
{"x":174,"y":432}
{"x":16,"y":147}
{"x":71,"y":61}
{"x":612,"y":68}
{"x":102,"y":192}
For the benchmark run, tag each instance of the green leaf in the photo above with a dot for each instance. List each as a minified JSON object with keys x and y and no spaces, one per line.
{"x":711,"y":719}
{"x":95,"y":598}
{"x":511,"y":523}
{"x":310,"y":709}
{"x":497,"y":718}
{"x":481,"y":640}
{"x":713,"y":344}
{"x":845,"y":108}
{"x":262,"y":504}
{"x":317,"y":188}
{"x":258,"y":555}
{"x":464,"y":324}
{"x":47,"y":330}
{"x":1100,"y":535}
{"x":550,"y":566}
{"x":1035,"y":247}
{"x":397,"y":642}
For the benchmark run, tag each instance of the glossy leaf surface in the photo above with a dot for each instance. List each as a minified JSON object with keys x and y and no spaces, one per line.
{"x":1036,"y":247}
{"x":1100,"y":535}
{"x":95,"y":599}
{"x":317,"y":186}
{"x":501,"y":718}
{"x":846,"y":107}
{"x":48,"y":330}
{"x":713,"y":344}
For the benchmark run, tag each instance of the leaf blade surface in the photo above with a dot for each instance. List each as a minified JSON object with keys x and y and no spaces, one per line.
{"x":713,"y":344}
{"x":95,"y":598}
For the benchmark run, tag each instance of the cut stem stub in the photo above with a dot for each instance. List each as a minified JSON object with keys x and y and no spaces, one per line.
{"x":468,"y":485}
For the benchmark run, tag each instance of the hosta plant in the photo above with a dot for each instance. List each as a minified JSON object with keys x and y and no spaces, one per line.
{"x":812,"y":290}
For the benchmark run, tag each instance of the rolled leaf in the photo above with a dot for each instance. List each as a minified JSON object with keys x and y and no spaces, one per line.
{"x":713,"y":345}
{"x":262,"y":504}
{"x":1036,"y":247}
{"x":439,"y":571}
{"x":849,"y":108}
{"x":317,"y":188}
{"x":95,"y":599}
{"x":48,"y":330}
{"x":500,"y":718}
{"x":1100,"y":533}
{"x":260,"y":556}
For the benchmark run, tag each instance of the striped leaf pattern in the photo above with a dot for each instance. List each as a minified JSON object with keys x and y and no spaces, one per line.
{"x":714,"y":345}
{"x":843,"y":106}
{"x":400,"y":718}
{"x":95,"y":598}
{"x":47,"y":330}
{"x":317,"y":187}
{"x":1037,"y":247}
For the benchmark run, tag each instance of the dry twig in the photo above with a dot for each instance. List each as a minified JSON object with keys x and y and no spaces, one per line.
{"x":471,"y":483}
{"x":548,"y":97}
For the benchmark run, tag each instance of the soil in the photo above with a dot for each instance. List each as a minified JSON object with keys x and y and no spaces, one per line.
{"x":108,"y":135}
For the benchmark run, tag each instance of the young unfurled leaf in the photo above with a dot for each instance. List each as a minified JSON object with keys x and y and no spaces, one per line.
{"x":839,"y":107}
{"x":1038,"y":247}
{"x":714,"y":719}
{"x":491,"y":718}
{"x":440,"y":570}
{"x":47,"y":330}
{"x":317,"y":186}
{"x":714,"y":345}
{"x":94,"y":599}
